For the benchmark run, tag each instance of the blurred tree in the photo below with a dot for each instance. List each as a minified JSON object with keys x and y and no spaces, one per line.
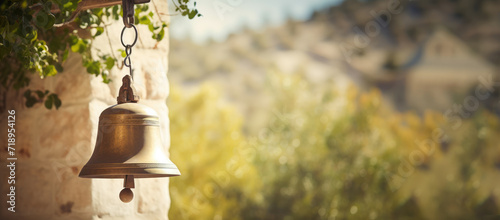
{"x":207,"y":145}
{"x":326,"y":154}
{"x":329,"y":154}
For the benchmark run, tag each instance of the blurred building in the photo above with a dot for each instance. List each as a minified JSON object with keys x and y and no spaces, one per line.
{"x":443,"y":72}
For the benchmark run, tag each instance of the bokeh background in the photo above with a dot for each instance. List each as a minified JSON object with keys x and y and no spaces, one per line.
{"x":375,"y":109}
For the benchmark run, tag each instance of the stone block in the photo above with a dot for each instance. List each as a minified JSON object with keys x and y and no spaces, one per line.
{"x":73,"y":84}
{"x":155,"y":74}
{"x":35,"y":189}
{"x":62,"y":134}
{"x":153,"y":196}
{"x":105,"y":199}
{"x":72,"y":194}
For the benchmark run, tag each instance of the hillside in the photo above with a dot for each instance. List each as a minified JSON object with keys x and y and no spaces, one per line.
{"x":421,"y":45}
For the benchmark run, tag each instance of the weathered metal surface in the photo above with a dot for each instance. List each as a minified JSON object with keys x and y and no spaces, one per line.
{"x":128,"y":141}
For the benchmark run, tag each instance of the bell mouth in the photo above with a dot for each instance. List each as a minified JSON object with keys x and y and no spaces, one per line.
{"x":120,"y":170}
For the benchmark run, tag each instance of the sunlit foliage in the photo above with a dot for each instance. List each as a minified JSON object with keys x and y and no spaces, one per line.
{"x":209,"y":149}
{"x":329,"y":153}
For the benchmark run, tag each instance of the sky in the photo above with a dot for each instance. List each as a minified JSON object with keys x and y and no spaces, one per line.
{"x":223,"y":17}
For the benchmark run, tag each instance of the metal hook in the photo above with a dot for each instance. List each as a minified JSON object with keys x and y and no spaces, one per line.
{"x":128,"y":13}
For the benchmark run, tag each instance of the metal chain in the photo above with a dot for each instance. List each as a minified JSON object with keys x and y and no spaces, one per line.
{"x":128,"y":49}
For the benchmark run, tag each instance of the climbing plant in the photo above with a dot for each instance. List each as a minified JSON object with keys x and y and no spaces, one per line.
{"x":36,"y":36}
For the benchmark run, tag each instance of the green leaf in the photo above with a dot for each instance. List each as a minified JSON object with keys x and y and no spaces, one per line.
{"x":99,"y":31}
{"x":79,"y":47}
{"x":40,"y":94}
{"x":75,"y":47}
{"x":68,"y":5}
{"x":98,"y":12}
{"x":144,"y":20}
{"x":65,"y":55}
{"x":105,"y":78}
{"x":51,"y":20}
{"x":30,"y":102}
{"x":94,"y":67}
{"x":48,"y":102}
{"x":57,"y":101}
{"x":33,"y":36}
{"x":50,"y":70}
{"x":72,"y":40}
{"x":110,"y":62}
{"x":115,"y":13}
{"x":161,"y":34}
{"x":124,"y":54}
{"x":193,"y":13}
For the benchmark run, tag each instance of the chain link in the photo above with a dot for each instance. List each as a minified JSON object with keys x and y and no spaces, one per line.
{"x":128,"y":49}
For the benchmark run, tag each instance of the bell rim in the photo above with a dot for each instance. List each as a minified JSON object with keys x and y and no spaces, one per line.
{"x":120,"y":170}
{"x":136,"y":176}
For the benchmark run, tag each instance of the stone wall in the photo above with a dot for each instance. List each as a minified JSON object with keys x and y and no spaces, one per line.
{"x":53,"y":145}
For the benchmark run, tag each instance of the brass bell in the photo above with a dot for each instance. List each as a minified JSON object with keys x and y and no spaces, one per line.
{"x":128,"y":143}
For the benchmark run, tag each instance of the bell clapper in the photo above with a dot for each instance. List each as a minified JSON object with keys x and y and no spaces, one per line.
{"x":126,"y":195}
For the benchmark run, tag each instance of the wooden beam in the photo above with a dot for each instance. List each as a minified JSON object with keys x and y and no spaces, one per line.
{"x":91,"y":4}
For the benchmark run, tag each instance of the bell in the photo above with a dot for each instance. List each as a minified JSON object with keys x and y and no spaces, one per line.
{"x":128,"y":143}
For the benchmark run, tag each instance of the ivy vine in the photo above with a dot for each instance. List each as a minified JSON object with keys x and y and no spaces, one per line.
{"x":37,"y":35}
